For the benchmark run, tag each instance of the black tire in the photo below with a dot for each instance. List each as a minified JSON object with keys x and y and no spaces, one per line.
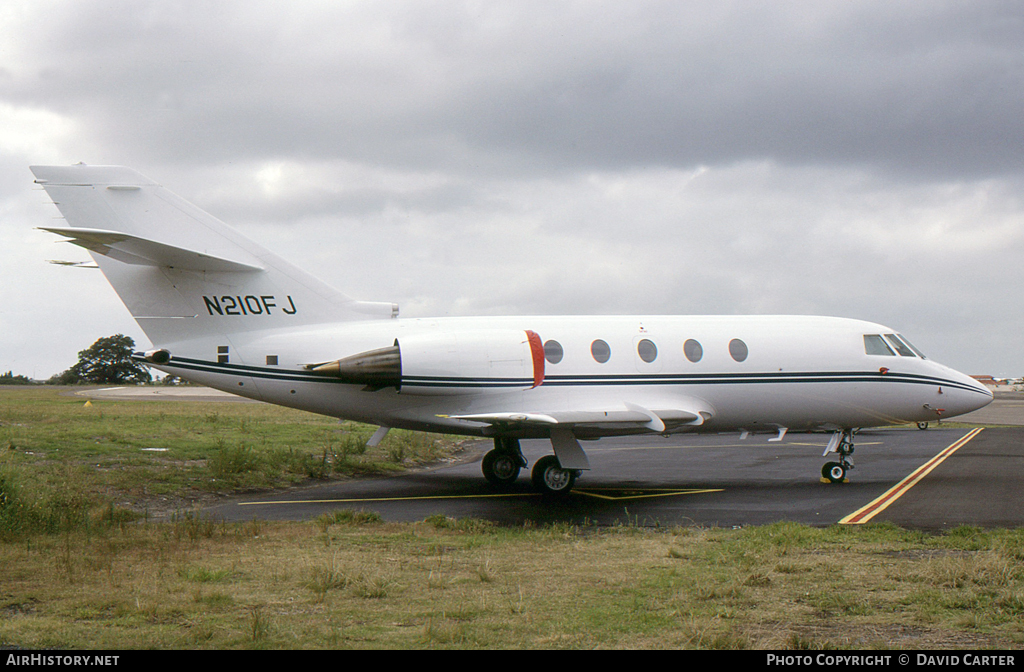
{"x":500,"y":468}
{"x":834,"y":472}
{"x":551,"y":479}
{"x":922,"y":425}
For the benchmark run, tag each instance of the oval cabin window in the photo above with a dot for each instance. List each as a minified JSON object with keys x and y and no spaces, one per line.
{"x":693,"y":350}
{"x":600,"y":350}
{"x":647,"y":350}
{"x":553,"y":351}
{"x":738,"y":349}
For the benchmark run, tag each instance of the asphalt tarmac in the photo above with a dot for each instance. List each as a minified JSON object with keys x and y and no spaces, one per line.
{"x":704,"y":480}
{"x":936,"y":479}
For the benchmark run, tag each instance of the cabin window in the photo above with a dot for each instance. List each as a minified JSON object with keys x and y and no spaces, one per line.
{"x":911,"y":346}
{"x":223,"y":356}
{"x":647,"y":350}
{"x":738,"y":349}
{"x":693,"y":350}
{"x":875,"y":345}
{"x":600,"y":350}
{"x":900,"y":346}
{"x":553,"y":351}
{"x":271,"y":360}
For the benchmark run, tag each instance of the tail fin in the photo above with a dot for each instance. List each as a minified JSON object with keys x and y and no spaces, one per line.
{"x":181,"y":272}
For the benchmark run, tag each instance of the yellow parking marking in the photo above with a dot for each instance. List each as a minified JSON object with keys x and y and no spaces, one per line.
{"x":866,"y":513}
{"x":748,"y":444}
{"x":820,"y":445}
{"x":627,"y":494}
{"x":392,"y":499}
{"x":644,"y":494}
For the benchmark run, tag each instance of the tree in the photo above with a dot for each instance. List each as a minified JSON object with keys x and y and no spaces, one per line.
{"x":107,"y":361}
{"x":10,"y":379}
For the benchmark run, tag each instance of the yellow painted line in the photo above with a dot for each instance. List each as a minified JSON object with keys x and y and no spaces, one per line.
{"x":749,"y":444}
{"x":821,"y":445}
{"x":644,"y":494}
{"x":391,"y":499}
{"x":864,"y":514}
{"x":666,"y":493}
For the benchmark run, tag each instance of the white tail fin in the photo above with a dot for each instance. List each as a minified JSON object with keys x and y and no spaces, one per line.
{"x":181,"y":272}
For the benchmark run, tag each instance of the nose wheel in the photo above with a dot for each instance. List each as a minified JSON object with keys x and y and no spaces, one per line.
{"x":834,"y":472}
{"x":841,"y":443}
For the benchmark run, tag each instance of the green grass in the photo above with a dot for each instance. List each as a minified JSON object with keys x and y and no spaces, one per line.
{"x":85,"y":567}
{"x":62,"y":462}
{"x":354,"y":581}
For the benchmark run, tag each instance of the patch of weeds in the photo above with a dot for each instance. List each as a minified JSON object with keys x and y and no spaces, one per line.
{"x":214,"y":600}
{"x":440,"y":629}
{"x":839,"y":602}
{"x":348,"y":517}
{"x":375,"y":587}
{"x":442,"y":522}
{"x":798,"y":642}
{"x":324,"y":578}
{"x":204,"y":574}
{"x":192,"y":526}
{"x":758,"y":580}
{"x":484,"y":573}
{"x":259,"y":624}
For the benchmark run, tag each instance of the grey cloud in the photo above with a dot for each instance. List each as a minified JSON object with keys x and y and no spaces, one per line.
{"x":858,"y":159}
{"x":930,"y":89}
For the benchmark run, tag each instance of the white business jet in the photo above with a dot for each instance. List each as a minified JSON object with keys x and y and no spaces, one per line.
{"x":224,"y":312}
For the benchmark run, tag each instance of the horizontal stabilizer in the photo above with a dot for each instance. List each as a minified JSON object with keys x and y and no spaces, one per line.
{"x":131,"y":249}
{"x":72,"y":264}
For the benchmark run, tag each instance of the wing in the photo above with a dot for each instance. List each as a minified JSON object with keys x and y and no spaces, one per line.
{"x":628,"y":416}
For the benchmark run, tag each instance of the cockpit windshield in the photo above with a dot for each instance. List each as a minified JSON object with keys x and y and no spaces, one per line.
{"x":874,"y":344}
{"x":911,"y":346}
{"x":900,"y":346}
{"x":889,"y":345}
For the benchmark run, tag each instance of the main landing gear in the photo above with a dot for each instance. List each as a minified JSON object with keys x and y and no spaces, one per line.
{"x":841,"y":443}
{"x":501,"y":467}
{"x":551,"y":479}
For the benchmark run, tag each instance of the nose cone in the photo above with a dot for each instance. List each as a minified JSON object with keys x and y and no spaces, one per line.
{"x":965,"y":395}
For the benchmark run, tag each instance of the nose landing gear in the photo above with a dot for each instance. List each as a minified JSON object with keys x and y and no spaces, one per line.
{"x":841,"y":443}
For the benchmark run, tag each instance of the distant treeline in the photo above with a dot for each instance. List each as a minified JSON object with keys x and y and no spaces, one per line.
{"x":108,"y":361}
{"x":10,"y":379}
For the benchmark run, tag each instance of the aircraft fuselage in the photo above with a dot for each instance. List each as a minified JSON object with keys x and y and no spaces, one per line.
{"x":798,"y":372}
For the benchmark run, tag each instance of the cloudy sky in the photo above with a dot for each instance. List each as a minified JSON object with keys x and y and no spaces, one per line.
{"x":860,"y":159}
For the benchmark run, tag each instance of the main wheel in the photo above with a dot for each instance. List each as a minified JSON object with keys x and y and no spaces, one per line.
{"x":550,"y":478}
{"x":500,"y":468}
{"x":834,"y":472}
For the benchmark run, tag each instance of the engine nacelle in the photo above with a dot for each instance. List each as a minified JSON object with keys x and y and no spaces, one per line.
{"x":471,"y":362}
{"x":460,"y":362}
{"x":160,"y":356}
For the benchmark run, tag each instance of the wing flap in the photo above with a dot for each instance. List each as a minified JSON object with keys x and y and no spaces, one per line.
{"x":130,"y":249}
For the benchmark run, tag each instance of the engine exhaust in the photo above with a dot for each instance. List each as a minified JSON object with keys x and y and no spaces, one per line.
{"x":376,"y":369}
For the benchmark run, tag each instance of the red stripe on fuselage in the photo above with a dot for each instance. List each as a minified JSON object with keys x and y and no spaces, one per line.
{"x":537,"y":351}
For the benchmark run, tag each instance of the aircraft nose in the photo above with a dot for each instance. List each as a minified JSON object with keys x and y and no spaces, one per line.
{"x":969,"y":395}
